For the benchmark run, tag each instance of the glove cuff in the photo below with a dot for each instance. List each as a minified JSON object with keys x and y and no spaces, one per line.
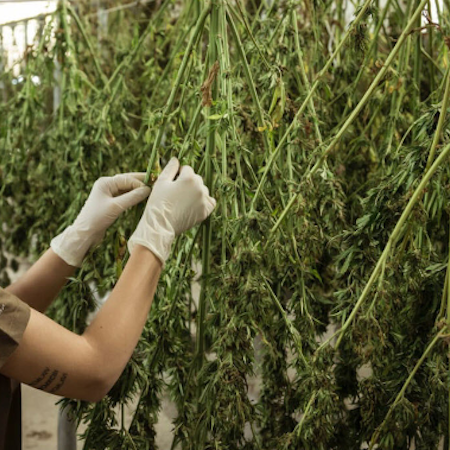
{"x":72,"y":246}
{"x":154,"y":232}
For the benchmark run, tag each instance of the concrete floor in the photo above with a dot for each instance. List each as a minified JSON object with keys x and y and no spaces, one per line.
{"x":40,"y":421}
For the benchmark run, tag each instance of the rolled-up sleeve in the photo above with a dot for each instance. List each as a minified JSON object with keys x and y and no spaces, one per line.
{"x":14,"y":317}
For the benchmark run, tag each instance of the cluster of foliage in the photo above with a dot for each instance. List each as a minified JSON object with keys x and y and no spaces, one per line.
{"x":325,"y":144}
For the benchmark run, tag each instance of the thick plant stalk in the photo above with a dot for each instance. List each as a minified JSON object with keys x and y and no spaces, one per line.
{"x":192,"y":41}
{"x":210,"y":147}
{"x":228,"y":88}
{"x":214,"y":30}
{"x":225,"y":86}
{"x":319,"y":76}
{"x":356,"y":111}
{"x":400,"y":395}
{"x":391,"y":242}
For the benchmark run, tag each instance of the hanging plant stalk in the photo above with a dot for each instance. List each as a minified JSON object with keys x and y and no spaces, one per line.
{"x":209,"y":154}
{"x":396,"y":233}
{"x":171,"y":100}
{"x":376,"y":435}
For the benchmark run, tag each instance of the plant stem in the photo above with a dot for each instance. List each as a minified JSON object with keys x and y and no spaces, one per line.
{"x":209,"y":152}
{"x":169,"y":64}
{"x":305,"y":78}
{"x":192,"y":41}
{"x":431,"y":48}
{"x":228,"y":88}
{"x":296,"y":338}
{"x":440,"y":125}
{"x":417,"y":65}
{"x":190,"y":134}
{"x":305,"y":414}
{"x":249,"y":31}
{"x":251,"y":84}
{"x":371,"y":88}
{"x":398,"y":94}
{"x":88,"y":43}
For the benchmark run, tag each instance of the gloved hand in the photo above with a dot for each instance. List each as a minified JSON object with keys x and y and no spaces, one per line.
{"x":109,"y":197}
{"x":173,"y":207}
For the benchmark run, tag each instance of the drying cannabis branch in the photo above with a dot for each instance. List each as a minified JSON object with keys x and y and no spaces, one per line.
{"x":395,"y":235}
{"x":319,"y":76}
{"x":330,"y":147}
{"x":209,"y":154}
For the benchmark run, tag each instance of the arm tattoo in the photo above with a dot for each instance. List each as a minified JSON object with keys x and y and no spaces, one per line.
{"x":40,"y":378}
{"x":50,"y":380}
{"x":47,"y":378}
{"x":59,"y":385}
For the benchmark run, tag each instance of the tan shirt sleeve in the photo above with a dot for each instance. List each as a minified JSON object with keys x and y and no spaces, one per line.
{"x":14,"y":316}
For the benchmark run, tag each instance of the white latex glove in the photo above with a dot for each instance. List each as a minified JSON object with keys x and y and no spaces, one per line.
{"x":173,"y":207}
{"x":109,"y":197}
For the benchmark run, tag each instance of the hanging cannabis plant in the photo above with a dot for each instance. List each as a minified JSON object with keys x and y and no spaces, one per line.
{"x":324,"y":268}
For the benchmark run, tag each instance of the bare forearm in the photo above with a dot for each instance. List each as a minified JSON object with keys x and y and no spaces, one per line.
{"x":40,"y":285}
{"x":115,"y":331}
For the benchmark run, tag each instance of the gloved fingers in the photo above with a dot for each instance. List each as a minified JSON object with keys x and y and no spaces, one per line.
{"x":170,"y":171}
{"x":209,"y":207}
{"x":186,"y":172}
{"x":199,"y":179}
{"x":138,"y":175}
{"x":212,"y":203}
{"x":132,"y":198}
{"x":124,"y":183}
{"x":206,"y":190}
